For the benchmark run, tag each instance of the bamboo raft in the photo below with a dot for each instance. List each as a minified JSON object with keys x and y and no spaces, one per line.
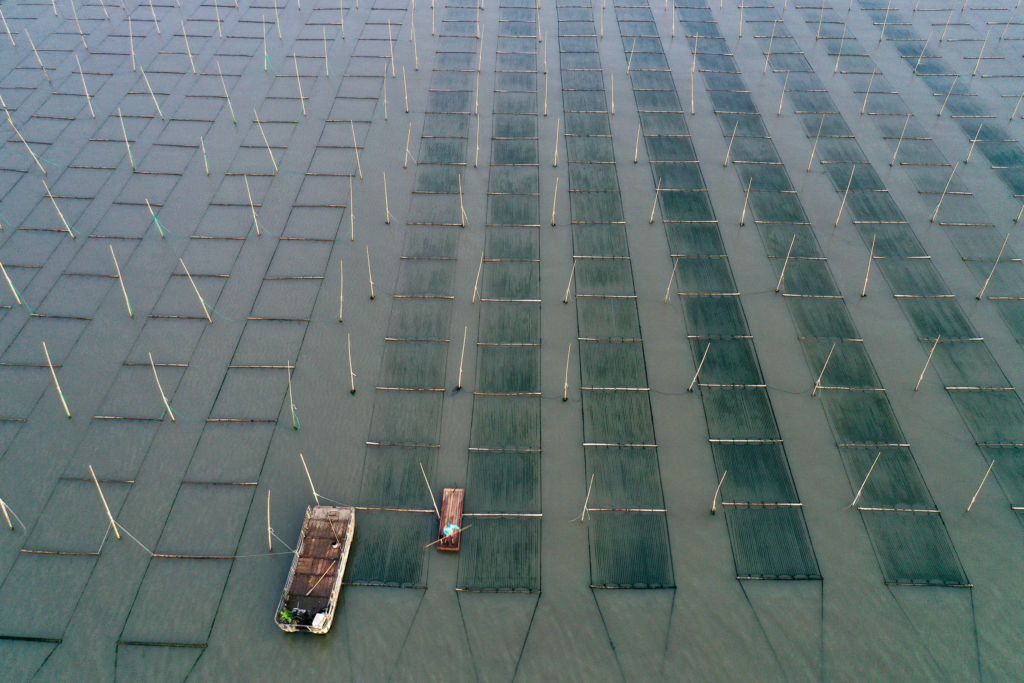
{"x":314,"y":582}
{"x":449,"y":530}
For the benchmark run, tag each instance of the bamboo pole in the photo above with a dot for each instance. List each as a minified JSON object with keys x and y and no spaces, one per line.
{"x":153,"y":12}
{"x":266,"y":141}
{"x":266,"y":57}
{"x":476,"y":283}
{"x":840,"y":55}
{"x":38,"y":59}
{"x":871,"y":258}
{"x":565,"y":388}
{"x":230,"y":107}
{"x":613,"y":93}
{"x":978,"y":63}
{"x":316,"y":496}
{"x":693,"y":72}
{"x":53,"y":372}
{"x":770,"y":41}
{"x":14,"y":291}
{"x":160,"y":387}
{"x":657,"y":193}
{"x":718,"y":489}
{"x":291,"y":398}
{"x":785,"y":264}
{"x":430,"y":490}
{"x":196,"y":290}
{"x":385,"y":84}
{"x":927,"y":363}
{"x":700,"y":366}
{"x":462,"y":207}
{"x":636,"y":150}
{"x":387,"y":205}
{"x":277,"y":20}
{"x":391,"y":46}
{"x":351,"y":212}
{"x":206,"y":159}
{"x":545,"y":94}
{"x":885,"y":21}
{"x":984,"y":479}
{"x":369,"y":272}
{"x":817,"y":382}
{"x":113,"y":524}
{"x":22,"y":138}
{"x":3,"y":507}
{"x":341,"y":290}
{"x":902,"y":133}
{"x":156,"y":220}
{"x":845,"y":195}
{"x":865,"y":482}
{"x":59,"y":212}
{"x":220,"y":29}
{"x":476,"y":159}
{"x":746,"y":200}
{"x":187,"y":48}
{"x":298,"y":79}
{"x":815,"y":147}
{"x":944,"y":28}
{"x":85,"y":87}
{"x":1014,"y":112}
{"x":252,"y":206}
{"x":558,"y":129}
{"x":128,"y":145}
{"x":405,"y":84}
{"x":462,"y":358}
{"x":921,"y":56}
{"x":351,"y":372}
{"x":943,"y":195}
{"x":957,"y":76}
{"x":671,"y":277}
{"x":868,"y":92}
{"x":586,"y":501}
{"x":973,"y":143}
{"x":732,"y":139}
{"x":327,"y":61}
{"x":355,"y":146}
{"x":782,"y":99}
{"x":11,"y":36}
{"x":120,"y":280}
{"x":153,"y":95}
{"x":994,"y":265}
{"x":1007,"y":21}
{"x":554,"y":202}
{"x":568,"y":287}
{"x":270,"y":531}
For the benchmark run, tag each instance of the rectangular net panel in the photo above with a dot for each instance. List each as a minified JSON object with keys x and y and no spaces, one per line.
{"x":500,"y":554}
{"x":771,"y":543}
{"x":914,"y":548}
{"x":630,"y":550}
{"x":387,"y":548}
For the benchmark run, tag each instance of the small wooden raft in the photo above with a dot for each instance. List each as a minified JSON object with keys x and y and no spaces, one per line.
{"x":314,"y":583}
{"x":450,"y":530}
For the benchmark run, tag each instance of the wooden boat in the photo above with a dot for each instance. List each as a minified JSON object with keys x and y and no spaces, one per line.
{"x":450,"y":529}
{"x":314,"y":582}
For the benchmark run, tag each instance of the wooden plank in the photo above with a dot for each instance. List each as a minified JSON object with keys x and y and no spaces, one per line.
{"x":451,"y":518}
